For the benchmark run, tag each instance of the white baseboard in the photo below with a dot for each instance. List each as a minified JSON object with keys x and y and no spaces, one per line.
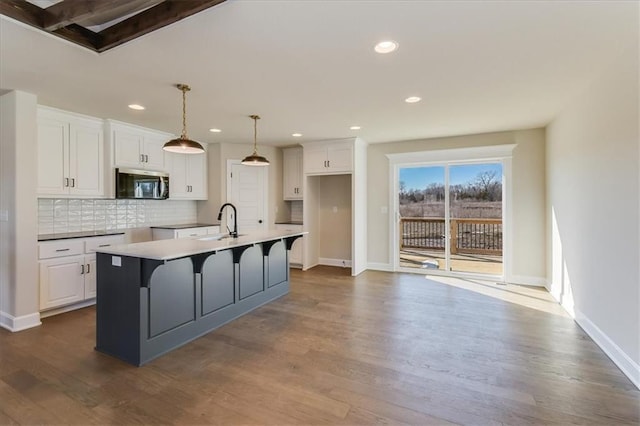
{"x":526,"y":280}
{"x":343,"y":263}
{"x":629,"y":367}
{"x":311,"y":265}
{"x":374,"y":266}
{"x":63,"y":309}
{"x":20,"y":323}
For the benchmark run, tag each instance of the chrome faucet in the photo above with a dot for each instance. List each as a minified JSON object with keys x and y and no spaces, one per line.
{"x":234,"y":233}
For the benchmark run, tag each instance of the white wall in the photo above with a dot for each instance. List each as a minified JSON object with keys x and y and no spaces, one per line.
{"x":528,"y":189}
{"x":593,"y":211}
{"x":18,"y":235}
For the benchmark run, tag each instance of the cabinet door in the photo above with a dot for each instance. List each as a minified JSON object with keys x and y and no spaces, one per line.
{"x":340,"y":158}
{"x":90,"y":276}
{"x":292,"y":174}
{"x":61,"y":281}
{"x":127,"y":146}
{"x":86,"y":159}
{"x":154,"y":158}
{"x":315,"y":159}
{"x":178,"y":188}
{"x":52,"y":167}
{"x":197,"y":176}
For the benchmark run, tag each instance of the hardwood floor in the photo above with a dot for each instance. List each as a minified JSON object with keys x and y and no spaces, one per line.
{"x":378,"y":348}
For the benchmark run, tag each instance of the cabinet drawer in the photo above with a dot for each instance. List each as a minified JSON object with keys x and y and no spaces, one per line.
{"x":191,"y":232}
{"x":50,"y":249}
{"x":95,"y":243}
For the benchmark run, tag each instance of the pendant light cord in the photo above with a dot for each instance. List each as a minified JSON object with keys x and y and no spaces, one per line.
{"x":184,"y":113}
{"x":255,"y":133}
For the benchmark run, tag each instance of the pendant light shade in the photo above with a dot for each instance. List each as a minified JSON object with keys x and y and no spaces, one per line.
{"x":255,"y":159}
{"x":183,"y":145}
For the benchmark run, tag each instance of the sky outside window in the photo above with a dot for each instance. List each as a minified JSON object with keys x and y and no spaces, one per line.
{"x":421,"y":177}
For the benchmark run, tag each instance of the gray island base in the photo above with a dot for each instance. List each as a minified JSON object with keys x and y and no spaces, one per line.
{"x":153,"y":298}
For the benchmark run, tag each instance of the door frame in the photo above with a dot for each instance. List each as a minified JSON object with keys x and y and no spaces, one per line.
{"x":265,"y":190}
{"x":493,"y":153}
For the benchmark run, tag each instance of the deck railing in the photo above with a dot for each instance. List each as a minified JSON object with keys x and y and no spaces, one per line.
{"x":483,"y":236}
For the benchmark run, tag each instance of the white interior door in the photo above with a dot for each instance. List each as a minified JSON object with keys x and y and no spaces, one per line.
{"x":247,"y":190}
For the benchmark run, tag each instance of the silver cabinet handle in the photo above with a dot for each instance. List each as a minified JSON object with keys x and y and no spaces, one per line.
{"x":88,"y":268}
{"x":73,"y":182}
{"x":81,"y":269}
{"x":104,"y":245}
{"x":142,"y":158}
{"x":62,"y":249}
{"x":66,"y":182}
{"x":146,"y":158}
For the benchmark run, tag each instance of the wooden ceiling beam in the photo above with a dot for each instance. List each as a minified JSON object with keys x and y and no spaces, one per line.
{"x":72,"y":11}
{"x":23,"y":11}
{"x":165,"y":13}
{"x":79,"y":35}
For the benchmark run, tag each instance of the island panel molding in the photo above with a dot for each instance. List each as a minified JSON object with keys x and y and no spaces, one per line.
{"x":148,"y":306}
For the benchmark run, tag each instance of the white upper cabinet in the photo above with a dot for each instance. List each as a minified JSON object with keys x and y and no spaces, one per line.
{"x":138,"y":148}
{"x":328,"y":157}
{"x":70,"y":154}
{"x":292,"y":174}
{"x":187,"y":176}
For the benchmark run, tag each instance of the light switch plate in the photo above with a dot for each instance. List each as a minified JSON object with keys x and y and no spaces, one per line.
{"x":116,"y":261}
{"x":4,"y":215}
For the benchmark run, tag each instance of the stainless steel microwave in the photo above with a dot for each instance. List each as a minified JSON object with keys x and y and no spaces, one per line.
{"x":142,"y":184}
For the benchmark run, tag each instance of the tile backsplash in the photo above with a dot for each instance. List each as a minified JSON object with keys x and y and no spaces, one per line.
{"x":296,"y":211}
{"x":56,"y":216}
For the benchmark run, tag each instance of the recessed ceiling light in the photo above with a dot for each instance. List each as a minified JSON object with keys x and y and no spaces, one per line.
{"x":413,"y":99}
{"x":355,"y":127}
{"x":386,"y":46}
{"x":215,"y":130}
{"x":296,"y":135}
{"x":136,"y":107}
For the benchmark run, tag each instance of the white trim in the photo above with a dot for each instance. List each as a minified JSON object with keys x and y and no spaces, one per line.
{"x":306,"y":268}
{"x":376,"y":266}
{"x":20,"y":323}
{"x":68,"y":308}
{"x":343,"y":263}
{"x":489,"y":152}
{"x":629,"y":367}
{"x":526,"y":280}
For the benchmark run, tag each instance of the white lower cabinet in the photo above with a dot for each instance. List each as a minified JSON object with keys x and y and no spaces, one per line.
{"x":68,"y":269}
{"x":169,"y":233}
{"x":61,"y":281}
{"x":296,"y":252}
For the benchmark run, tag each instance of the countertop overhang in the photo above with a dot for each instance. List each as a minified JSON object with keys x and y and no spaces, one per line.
{"x":183,"y":247}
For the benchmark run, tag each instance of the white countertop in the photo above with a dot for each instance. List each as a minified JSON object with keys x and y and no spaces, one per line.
{"x":181,"y":247}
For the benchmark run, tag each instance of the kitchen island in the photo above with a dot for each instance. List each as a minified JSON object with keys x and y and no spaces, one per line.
{"x":155,"y":296}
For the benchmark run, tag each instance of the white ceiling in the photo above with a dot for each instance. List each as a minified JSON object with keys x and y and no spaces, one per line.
{"x":309,"y":66}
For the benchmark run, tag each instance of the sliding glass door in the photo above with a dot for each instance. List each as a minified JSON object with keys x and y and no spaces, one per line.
{"x":451,"y":217}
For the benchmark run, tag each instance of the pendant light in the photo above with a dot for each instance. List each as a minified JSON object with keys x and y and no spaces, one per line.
{"x":255,"y":159}
{"x":183,"y":145}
